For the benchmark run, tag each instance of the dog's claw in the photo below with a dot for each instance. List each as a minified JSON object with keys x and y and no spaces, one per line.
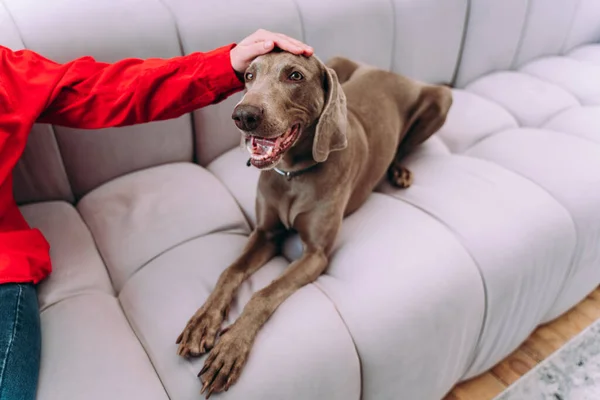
{"x":249,"y":162}
{"x":200,"y":333}
{"x":203,"y":370}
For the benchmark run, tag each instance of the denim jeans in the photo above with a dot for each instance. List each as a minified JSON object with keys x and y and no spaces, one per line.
{"x":20,"y":341}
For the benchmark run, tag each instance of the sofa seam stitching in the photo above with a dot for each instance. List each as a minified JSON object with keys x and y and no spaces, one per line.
{"x":574,"y":225}
{"x":463,"y":41}
{"x":182,"y":53}
{"x":523,"y":30}
{"x":394,"y":33}
{"x":226,"y":231}
{"x":460,"y":240}
{"x":567,"y":36}
{"x":348,"y":331}
{"x":300,"y":18}
{"x":557,"y":85}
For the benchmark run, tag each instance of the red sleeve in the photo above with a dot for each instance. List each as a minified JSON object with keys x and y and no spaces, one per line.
{"x":85,"y":93}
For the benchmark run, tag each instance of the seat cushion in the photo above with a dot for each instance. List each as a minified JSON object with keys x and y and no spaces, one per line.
{"x":77,"y":268}
{"x":583,"y":122}
{"x":140,"y":215}
{"x":530,"y":100}
{"x":580,"y":78}
{"x":566,"y":167}
{"x":490,"y":210}
{"x":88,"y":348}
{"x":90,"y":352}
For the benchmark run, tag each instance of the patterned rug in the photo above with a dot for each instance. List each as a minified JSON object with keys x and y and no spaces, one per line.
{"x":572,"y":373}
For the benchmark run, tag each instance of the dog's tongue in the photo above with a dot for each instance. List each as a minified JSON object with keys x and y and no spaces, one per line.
{"x":260,"y":146}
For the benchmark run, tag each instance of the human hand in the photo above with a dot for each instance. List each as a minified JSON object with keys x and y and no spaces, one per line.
{"x":262,"y":42}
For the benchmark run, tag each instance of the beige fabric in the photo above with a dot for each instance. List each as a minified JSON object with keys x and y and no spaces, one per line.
{"x":77,"y":268}
{"x":139,"y":216}
{"x":89,"y":352}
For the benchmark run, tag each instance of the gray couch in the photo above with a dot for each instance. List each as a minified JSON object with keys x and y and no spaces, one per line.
{"x":427,"y":286}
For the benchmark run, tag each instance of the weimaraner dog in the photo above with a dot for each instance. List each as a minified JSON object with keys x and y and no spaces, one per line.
{"x":324,"y":136}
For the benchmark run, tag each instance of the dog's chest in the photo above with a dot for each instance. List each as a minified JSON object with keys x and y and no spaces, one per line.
{"x":292,"y":203}
{"x":288,"y":209}
{"x":288,"y":199}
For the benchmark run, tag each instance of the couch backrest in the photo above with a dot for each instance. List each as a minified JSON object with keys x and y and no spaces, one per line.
{"x":439,"y":41}
{"x":505,"y":34}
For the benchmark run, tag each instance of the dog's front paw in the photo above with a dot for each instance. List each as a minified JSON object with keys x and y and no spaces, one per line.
{"x":201,"y":331}
{"x":224,"y":364}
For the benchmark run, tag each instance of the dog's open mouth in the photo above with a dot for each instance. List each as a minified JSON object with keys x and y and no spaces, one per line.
{"x":265,"y":152}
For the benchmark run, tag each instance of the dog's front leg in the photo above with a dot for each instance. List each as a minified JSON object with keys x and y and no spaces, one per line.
{"x":200,"y":333}
{"x":226,"y":360}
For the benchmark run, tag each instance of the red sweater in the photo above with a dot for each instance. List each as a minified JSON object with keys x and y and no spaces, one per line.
{"x":88,"y":94}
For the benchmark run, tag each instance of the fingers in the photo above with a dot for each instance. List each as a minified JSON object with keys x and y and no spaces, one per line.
{"x":282,"y":41}
{"x":306,"y":49}
{"x":262,"y":42}
{"x":251,"y":51}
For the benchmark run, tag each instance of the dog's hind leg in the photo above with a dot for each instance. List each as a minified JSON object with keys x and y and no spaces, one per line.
{"x":426,"y":118}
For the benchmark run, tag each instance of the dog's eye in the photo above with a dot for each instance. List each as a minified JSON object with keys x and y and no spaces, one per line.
{"x":249,"y":76}
{"x":295,"y":76}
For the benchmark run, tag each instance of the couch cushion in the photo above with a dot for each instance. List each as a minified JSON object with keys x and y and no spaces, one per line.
{"x":304,"y":351}
{"x":409,"y":306}
{"x":529,"y":99}
{"x":89,"y":352}
{"x":579,"y":121}
{"x":567,"y":168}
{"x":138,"y":216}
{"x":580,"y":78}
{"x":77,"y":268}
{"x":240,"y":180}
{"x":472,"y":118}
{"x":589,"y":53}
{"x":490,"y":210}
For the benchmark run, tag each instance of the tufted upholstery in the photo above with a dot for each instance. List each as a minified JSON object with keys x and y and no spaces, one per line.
{"x":427,"y":286}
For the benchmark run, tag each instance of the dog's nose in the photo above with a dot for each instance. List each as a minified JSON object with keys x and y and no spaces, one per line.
{"x":247,"y":117}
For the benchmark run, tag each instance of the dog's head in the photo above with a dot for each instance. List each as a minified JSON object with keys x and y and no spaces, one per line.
{"x":287,"y":98}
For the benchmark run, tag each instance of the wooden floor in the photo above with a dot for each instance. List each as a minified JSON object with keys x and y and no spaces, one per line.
{"x":543,"y":342}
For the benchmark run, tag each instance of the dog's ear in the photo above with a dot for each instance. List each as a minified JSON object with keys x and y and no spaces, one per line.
{"x":330,"y":133}
{"x":427,"y":115}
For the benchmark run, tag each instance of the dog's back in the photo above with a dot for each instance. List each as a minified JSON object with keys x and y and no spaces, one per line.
{"x":393,"y":113}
